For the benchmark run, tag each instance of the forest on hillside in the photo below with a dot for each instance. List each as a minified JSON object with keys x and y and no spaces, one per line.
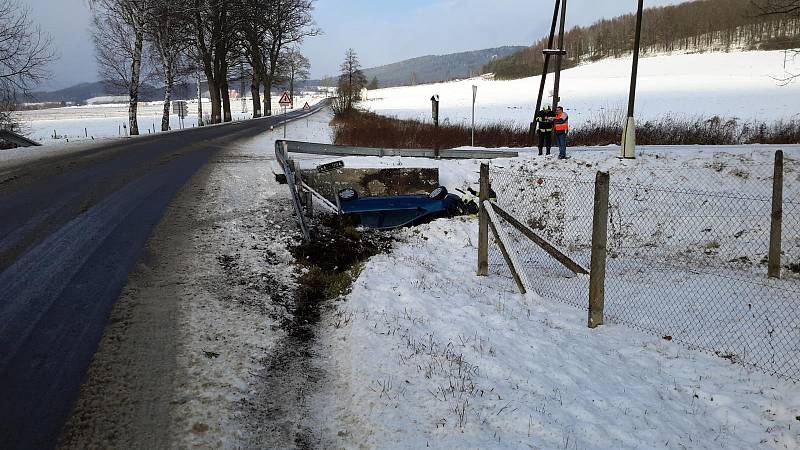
{"x":703,"y":25}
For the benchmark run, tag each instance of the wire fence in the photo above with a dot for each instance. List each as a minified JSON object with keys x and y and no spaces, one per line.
{"x":686,"y":261}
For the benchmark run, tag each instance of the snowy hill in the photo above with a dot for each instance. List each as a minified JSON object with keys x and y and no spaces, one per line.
{"x":743,"y":85}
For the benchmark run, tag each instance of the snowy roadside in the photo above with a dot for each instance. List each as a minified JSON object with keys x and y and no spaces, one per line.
{"x":425,"y":354}
{"x":429,"y":355}
{"x":76,"y":124}
{"x":181,"y":364}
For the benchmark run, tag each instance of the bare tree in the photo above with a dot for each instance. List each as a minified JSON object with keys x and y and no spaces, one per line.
{"x":351,"y":81}
{"x":215,"y":39}
{"x":295,"y":67}
{"x":288,"y":22}
{"x":24,"y":55}
{"x":782,"y":8}
{"x":253,"y":43}
{"x":167,"y":32}
{"x":119,"y":31}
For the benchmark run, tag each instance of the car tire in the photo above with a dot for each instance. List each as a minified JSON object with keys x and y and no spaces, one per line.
{"x":347,"y":195}
{"x":438,"y":193}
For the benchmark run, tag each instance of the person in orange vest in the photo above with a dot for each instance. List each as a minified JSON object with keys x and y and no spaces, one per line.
{"x":561,"y":128}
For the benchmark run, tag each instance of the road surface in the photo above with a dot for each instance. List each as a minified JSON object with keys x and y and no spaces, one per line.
{"x":71,"y":228}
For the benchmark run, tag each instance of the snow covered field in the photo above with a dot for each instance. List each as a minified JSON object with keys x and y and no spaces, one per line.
{"x":741,"y":85}
{"x":81,"y":123}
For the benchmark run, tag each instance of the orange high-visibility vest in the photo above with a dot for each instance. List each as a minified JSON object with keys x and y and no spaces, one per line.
{"x":561,"y":122}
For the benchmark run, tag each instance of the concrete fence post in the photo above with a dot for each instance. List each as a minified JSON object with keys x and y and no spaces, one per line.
{"x":483,"y":223}
{"x":776,"y":222}
{"x":597,"y":273}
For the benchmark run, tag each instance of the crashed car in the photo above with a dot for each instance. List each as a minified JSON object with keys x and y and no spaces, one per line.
{"x":397,"y":211}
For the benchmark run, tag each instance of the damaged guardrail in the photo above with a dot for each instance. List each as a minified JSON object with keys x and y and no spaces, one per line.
{"x":343,"y":150}
{"x":282,"y":155}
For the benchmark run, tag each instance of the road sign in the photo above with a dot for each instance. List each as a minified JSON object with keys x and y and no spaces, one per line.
{"x":286,"y":99}
{"x":180,"y":108}
{"x":307,"y":107}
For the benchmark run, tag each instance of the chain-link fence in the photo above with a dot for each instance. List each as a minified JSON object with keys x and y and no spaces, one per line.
{"x":687,"y":252}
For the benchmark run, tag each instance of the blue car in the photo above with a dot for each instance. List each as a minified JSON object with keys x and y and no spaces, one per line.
{"x":384,"y":213}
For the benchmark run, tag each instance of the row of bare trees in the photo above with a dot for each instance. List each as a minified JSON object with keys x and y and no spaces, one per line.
{"x":24,"y":55}
{"x":698,"y":25}
{"x":170,"y":40}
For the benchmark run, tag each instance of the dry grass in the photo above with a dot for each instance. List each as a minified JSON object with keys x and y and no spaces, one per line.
{"x":366,"y":129}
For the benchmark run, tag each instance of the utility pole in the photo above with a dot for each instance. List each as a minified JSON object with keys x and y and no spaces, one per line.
{"x":560,"y":54}
{"x":628,"y":146}
{"x":548,"y":52}
{"x":547,"y":55}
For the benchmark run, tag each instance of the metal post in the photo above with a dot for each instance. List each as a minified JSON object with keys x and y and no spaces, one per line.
{"x":597,"y":273}
{"x":628,"y":146}
{"x":474,"y":97}
{"x":776,"y":222}
{"x":435,"y":114}
{"x":560,"y":59}
{"x":284,"y":122}
{"x":483,"y":223}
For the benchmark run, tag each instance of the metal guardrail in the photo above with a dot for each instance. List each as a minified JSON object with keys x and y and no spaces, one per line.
{"x":282,"y":155}
{"x":342,"y":150}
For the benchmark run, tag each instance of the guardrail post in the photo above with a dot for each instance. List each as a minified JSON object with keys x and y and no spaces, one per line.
{"x":776,"y":224}
{"x":597,"y":273}
{"x":483,"y":224}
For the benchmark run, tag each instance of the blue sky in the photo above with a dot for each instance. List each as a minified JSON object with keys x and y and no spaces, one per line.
{"x":381,"y":31}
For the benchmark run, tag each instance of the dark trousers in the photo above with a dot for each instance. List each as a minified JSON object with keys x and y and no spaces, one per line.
{"x":545,"y":140}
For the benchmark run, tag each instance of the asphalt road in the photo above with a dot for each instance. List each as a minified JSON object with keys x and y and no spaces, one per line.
{"x":71,"y":228}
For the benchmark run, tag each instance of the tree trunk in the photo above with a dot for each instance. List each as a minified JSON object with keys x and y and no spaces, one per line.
{"x":168,"y":82}
{"x":199,"y":103}
{"x":213,"y":92}
{"x":226,"y":99}
{"x":291,"y":87}
{"x":267,"y":97}
{"x":133,"y":92}
{"x":255,"y":88}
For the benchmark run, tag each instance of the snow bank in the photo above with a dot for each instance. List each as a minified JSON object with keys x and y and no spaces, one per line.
{"x":742,"y":85}
{"x":429,"y":355}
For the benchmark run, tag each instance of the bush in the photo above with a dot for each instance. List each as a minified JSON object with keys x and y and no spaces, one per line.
{"x":366,"y":129}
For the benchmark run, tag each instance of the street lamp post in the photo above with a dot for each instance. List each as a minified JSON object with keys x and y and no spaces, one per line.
{"x":628,"y":146}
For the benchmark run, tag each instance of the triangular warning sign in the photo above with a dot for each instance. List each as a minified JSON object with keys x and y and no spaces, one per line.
{"x":286,"y":99}
{"x":307,"y":107}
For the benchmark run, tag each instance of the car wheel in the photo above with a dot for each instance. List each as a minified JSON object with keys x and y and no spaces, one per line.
{"x":438,"y":193}
{"x":347,"y":195}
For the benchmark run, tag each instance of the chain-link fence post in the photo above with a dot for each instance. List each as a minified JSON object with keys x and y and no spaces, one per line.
{"x":483,"y":224}
{"x":777,"y":218}
{"x":597,"y":275}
